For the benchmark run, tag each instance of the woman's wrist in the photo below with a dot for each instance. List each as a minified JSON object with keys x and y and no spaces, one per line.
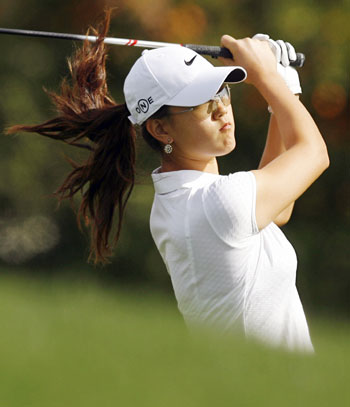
{"x":277,"y":94}
{"x":270,"y":86}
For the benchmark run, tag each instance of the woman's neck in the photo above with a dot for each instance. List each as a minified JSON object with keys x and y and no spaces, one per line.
{"x":172,"y":164}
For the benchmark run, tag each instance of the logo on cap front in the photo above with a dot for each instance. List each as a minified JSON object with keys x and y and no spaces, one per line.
{"x":143,"y":105}
{"x":190,"y":62}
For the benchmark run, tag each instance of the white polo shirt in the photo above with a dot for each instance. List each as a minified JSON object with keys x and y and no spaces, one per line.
{"x":224,"y":271}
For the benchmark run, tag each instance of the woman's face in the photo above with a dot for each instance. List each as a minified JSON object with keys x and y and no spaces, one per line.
{"x":202,"y":133}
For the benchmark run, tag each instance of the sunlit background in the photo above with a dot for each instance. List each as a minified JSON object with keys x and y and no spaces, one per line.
{"x":40,"y":240}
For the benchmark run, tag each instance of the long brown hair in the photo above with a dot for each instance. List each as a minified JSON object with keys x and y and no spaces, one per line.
{"x":89,"y":118}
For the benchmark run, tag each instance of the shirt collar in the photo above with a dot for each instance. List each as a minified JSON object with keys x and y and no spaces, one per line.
{"x":165,"y":182}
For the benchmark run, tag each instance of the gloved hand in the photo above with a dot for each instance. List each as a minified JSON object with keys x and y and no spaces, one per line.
{"x":285,"y":53}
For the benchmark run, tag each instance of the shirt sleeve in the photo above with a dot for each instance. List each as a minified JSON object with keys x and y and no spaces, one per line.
{"x":229,"y":205}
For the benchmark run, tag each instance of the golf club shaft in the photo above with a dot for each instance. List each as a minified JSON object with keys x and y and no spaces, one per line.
{"x":212,"y":51}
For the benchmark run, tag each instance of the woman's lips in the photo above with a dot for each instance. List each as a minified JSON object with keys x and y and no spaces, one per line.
{"x":226,"y":126}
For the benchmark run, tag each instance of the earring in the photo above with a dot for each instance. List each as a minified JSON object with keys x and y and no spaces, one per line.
{"x":168,"y":148}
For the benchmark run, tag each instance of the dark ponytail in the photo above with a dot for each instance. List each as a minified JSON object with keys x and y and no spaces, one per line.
{"x":89,"y":118}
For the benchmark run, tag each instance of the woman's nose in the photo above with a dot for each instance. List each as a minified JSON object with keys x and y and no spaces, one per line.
{"x":220,"y":110}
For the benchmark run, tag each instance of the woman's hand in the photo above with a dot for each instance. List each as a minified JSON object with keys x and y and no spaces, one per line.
{"x":285,"y":54}
{"x":254,"y":55}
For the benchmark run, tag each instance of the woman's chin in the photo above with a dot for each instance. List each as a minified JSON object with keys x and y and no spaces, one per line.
{"x":230,"y":145}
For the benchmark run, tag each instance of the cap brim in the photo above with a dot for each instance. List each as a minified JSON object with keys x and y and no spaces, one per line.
{"x":206,"y":85}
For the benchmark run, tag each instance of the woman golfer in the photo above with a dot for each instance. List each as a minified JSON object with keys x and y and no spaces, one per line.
{"x":230,"y":265}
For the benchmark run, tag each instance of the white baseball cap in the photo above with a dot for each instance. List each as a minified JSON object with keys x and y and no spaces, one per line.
{"x":173,"y":76}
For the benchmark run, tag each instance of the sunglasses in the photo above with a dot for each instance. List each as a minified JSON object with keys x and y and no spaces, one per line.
{"x":223,"y":96}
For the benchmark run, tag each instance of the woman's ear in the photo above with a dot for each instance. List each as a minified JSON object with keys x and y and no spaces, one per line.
{"x":157,"y":128}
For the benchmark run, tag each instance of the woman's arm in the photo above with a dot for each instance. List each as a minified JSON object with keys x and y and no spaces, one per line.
{"x":286,"y":177}
{"x":274,"y":147}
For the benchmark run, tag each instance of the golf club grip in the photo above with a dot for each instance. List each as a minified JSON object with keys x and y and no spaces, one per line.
{"x":216,"y":52}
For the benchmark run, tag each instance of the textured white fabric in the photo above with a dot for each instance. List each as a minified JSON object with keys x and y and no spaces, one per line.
{"x":225,"y":272}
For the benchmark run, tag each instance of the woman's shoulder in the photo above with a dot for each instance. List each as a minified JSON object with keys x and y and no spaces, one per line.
{"x":229,"y":205}
{"x":231,"y":183}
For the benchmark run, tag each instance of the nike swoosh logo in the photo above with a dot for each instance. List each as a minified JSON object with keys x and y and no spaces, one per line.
{"x":190,"y":62}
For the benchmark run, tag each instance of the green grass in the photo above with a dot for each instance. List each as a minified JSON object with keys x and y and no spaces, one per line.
{"x":65,"y":343}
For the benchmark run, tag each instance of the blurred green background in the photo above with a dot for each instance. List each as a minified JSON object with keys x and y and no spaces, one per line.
{"x":61,"y":339}
{"x":72,"y":344}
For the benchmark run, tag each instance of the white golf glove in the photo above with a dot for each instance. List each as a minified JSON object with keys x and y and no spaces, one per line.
{"x":284,"y":53}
